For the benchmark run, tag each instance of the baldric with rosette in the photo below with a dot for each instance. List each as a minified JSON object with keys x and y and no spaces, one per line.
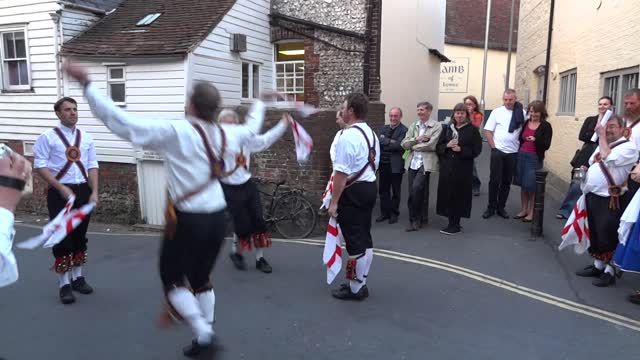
{"x":72,"y":153}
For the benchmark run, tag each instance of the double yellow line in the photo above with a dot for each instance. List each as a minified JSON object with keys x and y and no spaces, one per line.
{"x":499,"y":283}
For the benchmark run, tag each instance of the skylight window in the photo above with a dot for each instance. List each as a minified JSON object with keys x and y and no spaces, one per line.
{"x":148,"y":19}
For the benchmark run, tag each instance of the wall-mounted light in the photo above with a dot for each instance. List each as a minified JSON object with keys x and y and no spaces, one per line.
{"x":291,"y":52}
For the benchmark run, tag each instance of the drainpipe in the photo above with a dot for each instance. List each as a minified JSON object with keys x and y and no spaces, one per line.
{"x":56,"y":46}
{"x":548,"y":59}
{"x":506,"y":81}
{"x":367,"y":50}
{"x":484,"y":62}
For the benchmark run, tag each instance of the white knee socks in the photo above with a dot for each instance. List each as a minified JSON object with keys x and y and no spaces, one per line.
{"x":64,"y":279}
{"x":362,"y":271}
{"x":207,"y":303}
{"x":187,"y":306}
{"x":76,"y":272}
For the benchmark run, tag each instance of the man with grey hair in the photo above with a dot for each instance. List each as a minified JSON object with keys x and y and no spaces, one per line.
{"x":503,"y":131}
{"x":605,"y":191}
{"x":632,"y":131}
{"x":421,"y":140}
{"x":391,"y":166}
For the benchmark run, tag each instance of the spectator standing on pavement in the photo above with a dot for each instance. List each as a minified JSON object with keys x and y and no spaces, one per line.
{"x":581,"y":158}
{"x":535,"y":140}
{"x":473,"y":109}
{"x":458,"y":145}
{"x":391,"y":166}
{"x":503,"y":131}
{"x":421,"y":141}
{"x":606,"y":197}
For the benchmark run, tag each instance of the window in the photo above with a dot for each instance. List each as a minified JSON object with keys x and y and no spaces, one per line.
{"x":148,"y":19}
{"x":616,"y":83}
{"x":250,"y":81}
{"x":568,"y":81}
{"x":15,"y":60}
{"x":290,"y":70}
{"x":116,"y":84}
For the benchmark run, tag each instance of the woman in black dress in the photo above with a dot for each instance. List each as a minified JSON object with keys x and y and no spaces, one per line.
{"x":459,"y":144}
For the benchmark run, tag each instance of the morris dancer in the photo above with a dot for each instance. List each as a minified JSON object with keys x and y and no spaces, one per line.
{"x":354,"y":194}
{"x":605,"y":195}
{"x":65,"y":157}
{"x":192,"y":148}
{"x":241,"y":193}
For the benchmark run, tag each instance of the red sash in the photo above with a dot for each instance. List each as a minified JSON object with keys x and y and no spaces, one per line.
{"x":372,"y":158}
{"x":72,"y":153}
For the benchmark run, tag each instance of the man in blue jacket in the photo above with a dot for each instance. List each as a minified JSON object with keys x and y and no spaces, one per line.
{"x":391,"y":166}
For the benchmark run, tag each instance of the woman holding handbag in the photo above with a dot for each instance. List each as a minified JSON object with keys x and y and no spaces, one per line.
{"x":581,"y":158}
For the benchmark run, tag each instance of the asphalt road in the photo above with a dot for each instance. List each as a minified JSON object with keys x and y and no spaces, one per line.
{"x":521,"y":301}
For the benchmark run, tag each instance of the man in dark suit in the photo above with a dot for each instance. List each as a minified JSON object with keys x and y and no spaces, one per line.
{"x":391,"y":166}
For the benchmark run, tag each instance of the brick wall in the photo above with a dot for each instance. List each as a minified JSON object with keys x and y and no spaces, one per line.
{"x":279,"y":161}
{"x":119,"y":198}
{"x":584,"y":39}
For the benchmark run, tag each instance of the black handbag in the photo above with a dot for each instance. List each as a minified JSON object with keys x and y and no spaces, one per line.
{"x":581,"y":157}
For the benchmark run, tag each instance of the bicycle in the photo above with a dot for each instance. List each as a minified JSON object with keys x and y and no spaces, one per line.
{"x":292,"y":214}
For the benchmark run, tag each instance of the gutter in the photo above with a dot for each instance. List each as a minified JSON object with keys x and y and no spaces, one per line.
{"x":277,"y":16}
{"x":82,"y":7}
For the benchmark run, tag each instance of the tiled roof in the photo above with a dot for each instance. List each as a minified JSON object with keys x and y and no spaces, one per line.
{"x":182,"y":25}
{"x":465,"y":24}
{"x":105,"y":5}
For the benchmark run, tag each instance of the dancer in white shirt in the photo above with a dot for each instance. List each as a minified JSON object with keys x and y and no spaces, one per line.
{"x":193,"y":149}
{"x":65,"y":157}
{"x":241,"y":193}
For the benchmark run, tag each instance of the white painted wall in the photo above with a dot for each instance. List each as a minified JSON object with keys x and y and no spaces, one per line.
{"x":154,"y":89}
{"x":409,"y":73}
{"x":24,"y":116}
{"x":213,"y":61}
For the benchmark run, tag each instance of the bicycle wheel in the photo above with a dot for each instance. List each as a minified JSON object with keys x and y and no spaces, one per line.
{"x":294,"y":216}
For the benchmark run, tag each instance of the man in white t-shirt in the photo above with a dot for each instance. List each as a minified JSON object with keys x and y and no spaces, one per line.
{"x":354,"y":194}
{"x":632,"y":124}
{"x":502,"y":136}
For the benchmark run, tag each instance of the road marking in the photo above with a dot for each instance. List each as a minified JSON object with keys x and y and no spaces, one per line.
{"x":499,"y":283}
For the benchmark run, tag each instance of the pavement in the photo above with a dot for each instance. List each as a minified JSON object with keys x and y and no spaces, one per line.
{"x":488,"y":293}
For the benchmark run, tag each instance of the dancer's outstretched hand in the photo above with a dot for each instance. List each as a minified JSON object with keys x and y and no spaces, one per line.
{"x":77,"y":72}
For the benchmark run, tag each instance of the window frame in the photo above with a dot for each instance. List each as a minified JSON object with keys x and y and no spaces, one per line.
{"x":618,"y":75}
{"x":251,"y":91}
{"x":4,"y":76}
{"x":117,"y":81}
{"x":568,"y":93}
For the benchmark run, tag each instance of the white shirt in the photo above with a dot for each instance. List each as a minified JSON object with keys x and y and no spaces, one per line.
{"x":179,"y":143}
{"x":619,"y":163}
{"x":334,"y":143}
{"x":635,"y":135}
{"x":498,"y":123}
{"x":8,"y":265}
{"x":251,"y":145}
{"x":416,"y":159}
{"x":352,"y":152}
{"x":49,"y":152}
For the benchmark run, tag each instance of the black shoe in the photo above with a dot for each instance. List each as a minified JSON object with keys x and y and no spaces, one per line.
{"x":635,"y":298}
{"x":195,"y":349}
{"x":422,"y":222}
{"x":393,"y":219}
{"x":450,"y":230}
{"x":604,"y":280}
{"x":365,"y":289}
{"x":488,"y":213}
{"x":80,"y":285}
{"x":382,"y":218}
{"x":344,"y":293}
{"x":66,"y":295}
{"x":589,"y":271}
{"x":238,"y":261}
{"x":413,"y":226}
{"x":502,"y":213}
{"x":263,"y":265}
